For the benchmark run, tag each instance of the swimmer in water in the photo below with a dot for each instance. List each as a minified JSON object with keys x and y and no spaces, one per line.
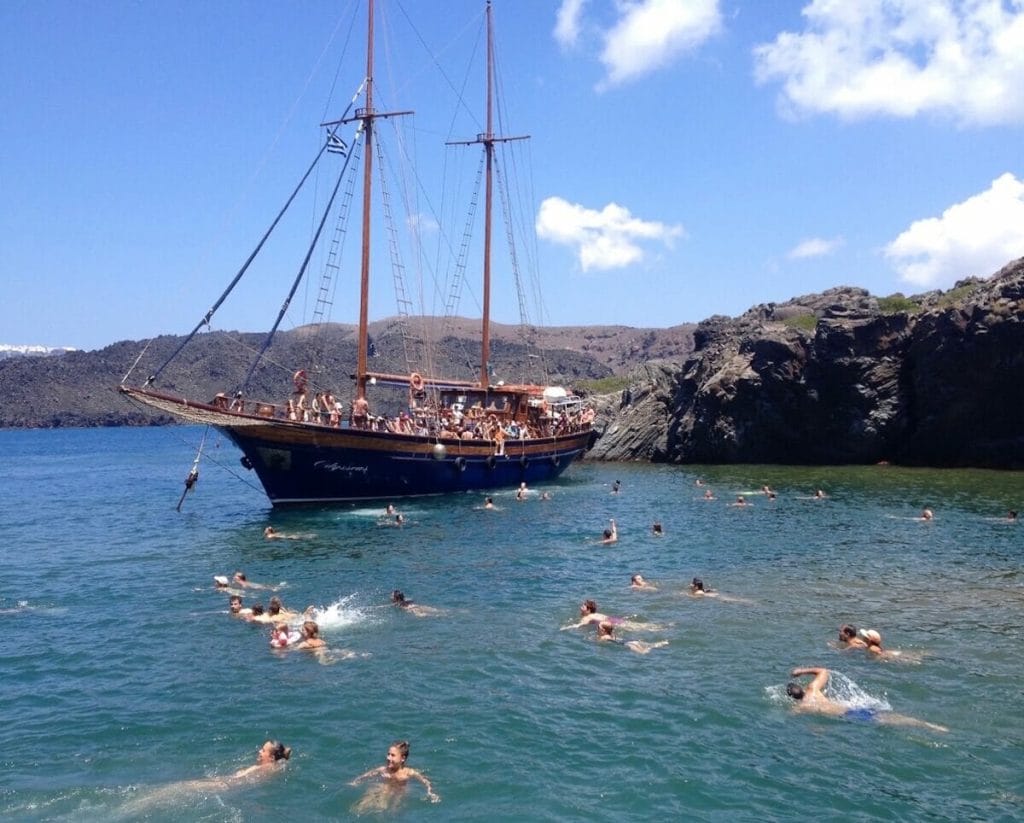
{"x":235,"y":606}
{"x":270,"y":533}
{"x":399,"y":599}
{"x":394,"y":776}
{"x":545,"y":495}
{"x":819,"y":495}
{"x":656,"y":529}
{"x":282,"y":637}
{"x":611,"y":534}
{"x":239,"y":579}
{"x":270,"y":758}
{"x":522,"y":491}
{"x":741,"y":502}
{"x":708,"y":495}
{"x":848,"y":637}
{"x":616,"y":486}
{"x":811,"y":698}
{"x":606,"y":634}
{"x":489,"y":503}
{"x":390,"y":510}
{"x":872,"y":641}
{"x":637,"y":582}
{"x":926,"y":514}
{"x":311,"y":636}
{"x":276,"y":613}
{"x":698,"y":589}
{"x":588,"y":615}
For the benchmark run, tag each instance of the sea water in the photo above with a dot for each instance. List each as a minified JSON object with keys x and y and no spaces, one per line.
{"x":123,"y":676}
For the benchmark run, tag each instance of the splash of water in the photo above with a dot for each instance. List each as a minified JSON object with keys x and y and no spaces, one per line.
{"x":339,"y":614}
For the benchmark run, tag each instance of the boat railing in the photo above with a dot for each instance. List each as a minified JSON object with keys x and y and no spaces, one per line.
{"x":560,"y":419}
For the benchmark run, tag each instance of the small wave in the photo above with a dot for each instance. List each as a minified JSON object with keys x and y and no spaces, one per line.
{"x":24,"y":607}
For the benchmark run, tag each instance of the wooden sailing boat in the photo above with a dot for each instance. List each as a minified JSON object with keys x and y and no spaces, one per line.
{"x":454,"y":435}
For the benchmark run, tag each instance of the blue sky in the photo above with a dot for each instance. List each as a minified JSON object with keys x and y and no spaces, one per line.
{"x":687,"y":157}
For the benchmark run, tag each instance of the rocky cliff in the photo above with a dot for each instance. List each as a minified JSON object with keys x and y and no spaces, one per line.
{"x":840,"y":377}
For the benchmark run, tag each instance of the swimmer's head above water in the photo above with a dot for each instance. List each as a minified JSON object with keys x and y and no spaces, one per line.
{"x":847,"y":632}
{"x":697,"y":585}
{"x":398,"y":753}
{"x":795,"y":690}
{"x":588,"y":607}
{"x":272,"y":751}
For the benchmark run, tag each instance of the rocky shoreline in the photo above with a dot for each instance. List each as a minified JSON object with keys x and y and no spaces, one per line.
{"x":836,"y":378}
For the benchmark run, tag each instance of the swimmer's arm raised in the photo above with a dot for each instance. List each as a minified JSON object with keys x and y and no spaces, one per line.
{"x":820,"y":676}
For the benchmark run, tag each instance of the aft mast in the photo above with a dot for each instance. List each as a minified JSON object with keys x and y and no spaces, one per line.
{"x":487,"y":139}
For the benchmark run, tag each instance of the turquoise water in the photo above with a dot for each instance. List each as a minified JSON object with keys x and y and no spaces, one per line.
{"x":123,"y":674}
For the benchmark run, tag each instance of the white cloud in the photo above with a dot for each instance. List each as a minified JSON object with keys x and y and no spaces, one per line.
{"x":959,"y":58}
{"x":606,"y":239}
{"x":651,"y":34}
{"x":647,"y":35}
{"x":567,"y":22}
{"x":975,"y":237}
{"x":815,"y":247}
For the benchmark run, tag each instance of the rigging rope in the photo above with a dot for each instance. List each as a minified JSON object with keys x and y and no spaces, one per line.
{"x":302,"y":269}
{"x":193,"y":474}
{"x":332,"y":135}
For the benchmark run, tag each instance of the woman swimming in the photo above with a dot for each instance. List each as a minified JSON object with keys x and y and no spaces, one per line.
{"x":394,"y":776}
{"x":270,"y":757}
{"x":606,"y":634}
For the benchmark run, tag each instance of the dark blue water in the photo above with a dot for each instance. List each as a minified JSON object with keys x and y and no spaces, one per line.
{"x":123,"y":675}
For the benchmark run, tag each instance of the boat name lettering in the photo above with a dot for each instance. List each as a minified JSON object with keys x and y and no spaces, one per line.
{"x":337,"y":467}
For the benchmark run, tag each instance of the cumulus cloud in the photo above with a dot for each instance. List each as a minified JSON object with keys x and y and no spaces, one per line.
{"x":651,"y":34}
{"x":975,"y":237}
{"x":815,"y":247}
{"x":605,"y":239}
{"x":567,"y":22}
{"x":958,"y":58}
{"x":647,"y":35}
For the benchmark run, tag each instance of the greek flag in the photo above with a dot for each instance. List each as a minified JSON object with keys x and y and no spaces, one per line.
{"x":336,"y":145}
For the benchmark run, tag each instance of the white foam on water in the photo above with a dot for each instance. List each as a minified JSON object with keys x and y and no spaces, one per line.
{"x":843,"y":690}
{"x":340,"y":615}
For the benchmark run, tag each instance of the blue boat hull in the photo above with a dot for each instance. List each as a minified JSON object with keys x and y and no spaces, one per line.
{"x":301,"y":464}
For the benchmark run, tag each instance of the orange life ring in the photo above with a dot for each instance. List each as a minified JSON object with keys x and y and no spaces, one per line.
{"x":416,"y":381}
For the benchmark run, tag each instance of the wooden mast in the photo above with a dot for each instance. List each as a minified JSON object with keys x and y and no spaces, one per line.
{"x":487,"y":139}
{"x":364,"y":271}
{"x":366,"y":116}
